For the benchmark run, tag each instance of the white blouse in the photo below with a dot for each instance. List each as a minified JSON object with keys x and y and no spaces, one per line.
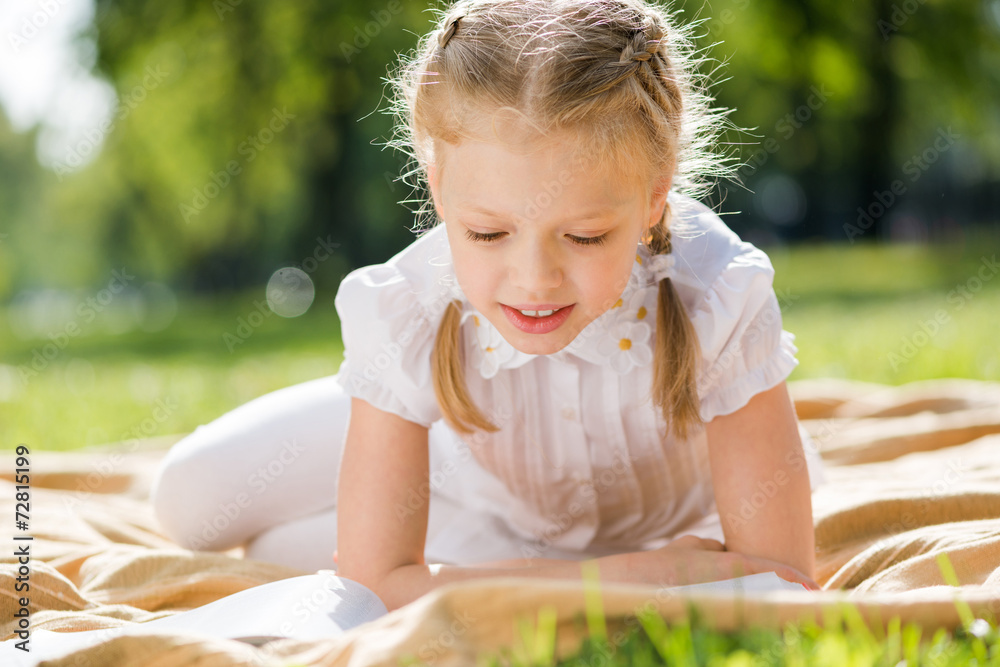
{"x":582,"y":458}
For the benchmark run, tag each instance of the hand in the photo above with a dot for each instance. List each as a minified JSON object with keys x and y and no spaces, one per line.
{"x":695,"y":560}
{"x":335,"y":557}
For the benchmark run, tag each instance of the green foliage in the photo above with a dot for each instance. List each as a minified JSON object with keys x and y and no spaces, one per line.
{"x":242,"y":133}
{"x":195,"y":185}
{"x":107,"y":387}
{"x":851,"y":309}
{"x":844,"y":638}
{"x":690,"y":643}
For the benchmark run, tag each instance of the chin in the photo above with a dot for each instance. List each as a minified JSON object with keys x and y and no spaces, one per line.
{"x":537,"y":344}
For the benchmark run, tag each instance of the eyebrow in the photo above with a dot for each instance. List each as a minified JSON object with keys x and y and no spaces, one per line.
{"x":590,"y":215}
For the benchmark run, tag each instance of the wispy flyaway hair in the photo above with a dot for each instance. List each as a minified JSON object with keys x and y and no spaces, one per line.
{"x":622,"y":76}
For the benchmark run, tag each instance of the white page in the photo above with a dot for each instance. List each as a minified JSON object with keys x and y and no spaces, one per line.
{"x":312,"y":606}
{"x":762,"y":582}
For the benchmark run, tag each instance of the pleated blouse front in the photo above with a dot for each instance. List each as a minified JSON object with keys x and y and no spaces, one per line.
{"x":582,"y":458}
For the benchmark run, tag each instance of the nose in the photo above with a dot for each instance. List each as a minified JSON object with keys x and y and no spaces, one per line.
{"x":536,"y":267}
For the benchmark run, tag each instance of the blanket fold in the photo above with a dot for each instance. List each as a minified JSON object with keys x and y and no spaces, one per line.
{"x":914,"y":472}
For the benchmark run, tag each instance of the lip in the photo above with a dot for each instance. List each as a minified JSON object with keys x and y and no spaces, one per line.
{"x":542,"y":306}
{"x":537,"y":325}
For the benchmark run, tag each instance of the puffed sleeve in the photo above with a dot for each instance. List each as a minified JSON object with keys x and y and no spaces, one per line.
{"x":389,"y":316}
{"x":745,"y":350}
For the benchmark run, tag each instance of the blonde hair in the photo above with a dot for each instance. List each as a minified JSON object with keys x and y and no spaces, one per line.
{"x":624,"y":76}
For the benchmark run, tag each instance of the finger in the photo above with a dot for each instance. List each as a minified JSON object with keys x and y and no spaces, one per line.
{"x":791,"y":574}
{"x":810,"y":583}
{"x":714,"y":545}
{"x":786,"y":572}
{"x":684,"y":541}
{"x":693,"y":541}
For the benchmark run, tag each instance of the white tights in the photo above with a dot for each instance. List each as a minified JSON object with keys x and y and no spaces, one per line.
{"x":265,"y":476}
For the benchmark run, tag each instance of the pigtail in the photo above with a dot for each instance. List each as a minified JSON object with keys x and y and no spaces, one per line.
{"x":675,"y":358}
{"x":623,"y":76}
{"x":457,"y":408}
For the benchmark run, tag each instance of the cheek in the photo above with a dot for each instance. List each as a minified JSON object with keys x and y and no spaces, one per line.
{"x":474,"y":277}
{"x":605,"y":284}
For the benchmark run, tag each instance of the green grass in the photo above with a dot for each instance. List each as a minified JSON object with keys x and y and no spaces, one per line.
{"x":103,"y":387}
{"x":856,"y":312}
{"x":852,"y":309}
{"x":869,"y":312}
{"x":644,"y":639}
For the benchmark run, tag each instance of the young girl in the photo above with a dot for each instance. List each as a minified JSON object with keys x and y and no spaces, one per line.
{"x":578,"y":361}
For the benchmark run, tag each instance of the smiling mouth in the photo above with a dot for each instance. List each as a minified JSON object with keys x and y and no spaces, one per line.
{"x":539,"y":313}
{"x":538,"y":322}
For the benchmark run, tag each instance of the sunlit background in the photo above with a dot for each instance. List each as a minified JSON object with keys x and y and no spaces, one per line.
{"x":183,"y":185}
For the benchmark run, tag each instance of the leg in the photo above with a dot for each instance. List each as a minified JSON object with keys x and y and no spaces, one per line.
{"x":459,"y":530}
{"x":456,"y":532}
{"x":266,"y":463}
{"x":307,"y":543}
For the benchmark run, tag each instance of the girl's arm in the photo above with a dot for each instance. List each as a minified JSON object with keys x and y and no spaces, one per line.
{"x":382,"y":504}
{"x":762,"y":483}
{"x":382,"y":526}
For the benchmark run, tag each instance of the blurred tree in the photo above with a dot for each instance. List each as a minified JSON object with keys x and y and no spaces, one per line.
{"x":847,"y":99}
{"x":237,"y":145}
{"x":243,"y":139}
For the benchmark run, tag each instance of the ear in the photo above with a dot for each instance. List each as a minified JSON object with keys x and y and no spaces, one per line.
{"x":658,"y":200}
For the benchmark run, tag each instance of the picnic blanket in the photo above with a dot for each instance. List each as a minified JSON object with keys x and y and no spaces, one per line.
{"x":914,"y":471}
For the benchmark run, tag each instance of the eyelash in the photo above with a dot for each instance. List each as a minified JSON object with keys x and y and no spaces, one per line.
{"x":579,"y":240}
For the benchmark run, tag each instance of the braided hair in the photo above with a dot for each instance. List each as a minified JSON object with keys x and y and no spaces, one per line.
{"x":623,"y":71}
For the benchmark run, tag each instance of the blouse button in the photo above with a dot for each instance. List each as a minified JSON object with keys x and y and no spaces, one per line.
{"x":569,"y":413}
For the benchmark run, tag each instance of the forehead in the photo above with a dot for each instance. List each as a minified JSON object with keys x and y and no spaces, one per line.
{"x":559,"y":168}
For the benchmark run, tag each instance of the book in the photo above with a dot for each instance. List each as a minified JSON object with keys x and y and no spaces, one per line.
{"x":762,"y":582}
{"x":312,"y":606}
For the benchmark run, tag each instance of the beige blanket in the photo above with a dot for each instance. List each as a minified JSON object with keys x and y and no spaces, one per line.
{"x":914,"y":472}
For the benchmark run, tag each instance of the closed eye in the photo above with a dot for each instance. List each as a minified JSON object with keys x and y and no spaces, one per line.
{"x":579,"y":240}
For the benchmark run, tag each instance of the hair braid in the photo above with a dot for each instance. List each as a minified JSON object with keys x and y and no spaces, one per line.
{"x":675,"y":362}
{"x":622,"y":76}
{"x":449,"y":30}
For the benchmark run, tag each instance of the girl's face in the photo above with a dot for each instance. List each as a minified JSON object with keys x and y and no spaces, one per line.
{"x":543,"y":211}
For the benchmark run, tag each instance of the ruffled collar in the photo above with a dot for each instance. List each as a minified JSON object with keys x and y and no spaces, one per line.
{"x":621,"y":338}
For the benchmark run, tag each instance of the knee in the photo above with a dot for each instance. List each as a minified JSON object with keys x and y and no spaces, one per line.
{"x":189,"y":502}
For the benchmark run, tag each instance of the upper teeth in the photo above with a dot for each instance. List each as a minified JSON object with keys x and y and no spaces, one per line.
{"x":538,"y":313}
